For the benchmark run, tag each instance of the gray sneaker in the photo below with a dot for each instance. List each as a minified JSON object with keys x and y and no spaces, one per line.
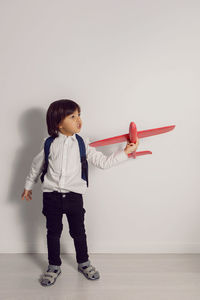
{"x":50,"y":276}
{"x":88,"y":270}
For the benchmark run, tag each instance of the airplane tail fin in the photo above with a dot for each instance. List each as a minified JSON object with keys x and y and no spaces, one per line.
{"x":135,"y":154}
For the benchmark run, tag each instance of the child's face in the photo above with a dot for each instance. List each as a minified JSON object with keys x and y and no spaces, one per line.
{"x":71,"y":124}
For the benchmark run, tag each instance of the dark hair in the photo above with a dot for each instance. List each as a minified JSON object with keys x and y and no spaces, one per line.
{"x":57,"y":111}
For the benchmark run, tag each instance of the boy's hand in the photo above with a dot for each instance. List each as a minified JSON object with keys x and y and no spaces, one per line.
{"x":27,"y":194}
{"x":131,"y":147}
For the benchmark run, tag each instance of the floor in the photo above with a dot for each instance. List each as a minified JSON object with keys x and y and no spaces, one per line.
{"x":123,"y":277}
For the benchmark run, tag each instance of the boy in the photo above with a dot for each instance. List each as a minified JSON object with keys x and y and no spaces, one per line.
{"x":64,"y":183}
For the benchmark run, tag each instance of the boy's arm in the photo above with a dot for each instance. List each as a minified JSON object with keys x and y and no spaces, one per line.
{"x":35,"y":169}
{"x":102,"y":161}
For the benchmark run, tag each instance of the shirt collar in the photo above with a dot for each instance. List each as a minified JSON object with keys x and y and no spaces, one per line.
{"x":63,"y":136}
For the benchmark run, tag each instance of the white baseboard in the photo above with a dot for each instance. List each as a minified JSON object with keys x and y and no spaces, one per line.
{"x":106,"y":248}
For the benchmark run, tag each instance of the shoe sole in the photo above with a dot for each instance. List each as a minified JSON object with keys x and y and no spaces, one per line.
{"x":45,"y":285}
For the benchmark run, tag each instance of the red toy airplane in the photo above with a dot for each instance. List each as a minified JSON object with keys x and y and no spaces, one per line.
{"x":131,"y":137}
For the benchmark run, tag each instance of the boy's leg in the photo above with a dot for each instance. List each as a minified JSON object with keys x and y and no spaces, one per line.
{"x":54,"y":229}
{"x":75,"y":216}
{"x":53,"y":213}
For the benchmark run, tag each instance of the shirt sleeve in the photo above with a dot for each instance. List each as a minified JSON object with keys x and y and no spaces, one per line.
{"x":102,"y":161}
{"x":36,"y":168}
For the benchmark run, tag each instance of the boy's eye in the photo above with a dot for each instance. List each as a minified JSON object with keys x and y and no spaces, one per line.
{"x":73,"y":115}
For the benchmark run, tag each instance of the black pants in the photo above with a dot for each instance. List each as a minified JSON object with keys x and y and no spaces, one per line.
{"x":55,"y":204}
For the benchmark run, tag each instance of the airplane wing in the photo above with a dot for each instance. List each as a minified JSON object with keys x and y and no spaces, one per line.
{"x":155,"y":131}
{"x":109,"y":141}
{"x":125,"y":137}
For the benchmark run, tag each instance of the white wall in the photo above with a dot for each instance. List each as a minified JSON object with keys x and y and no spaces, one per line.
{"x":122,"y":61}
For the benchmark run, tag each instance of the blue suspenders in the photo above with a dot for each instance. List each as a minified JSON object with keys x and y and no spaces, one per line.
{"x":84,"y":163}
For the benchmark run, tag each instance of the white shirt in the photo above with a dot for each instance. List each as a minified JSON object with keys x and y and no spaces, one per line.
{"x":64,"y":165}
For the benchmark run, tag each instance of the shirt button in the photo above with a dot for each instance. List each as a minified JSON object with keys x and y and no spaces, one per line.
{"x":64,"y":196}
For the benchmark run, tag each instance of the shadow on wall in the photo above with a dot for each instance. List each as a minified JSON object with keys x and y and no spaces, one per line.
{"x":32,"y":126}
